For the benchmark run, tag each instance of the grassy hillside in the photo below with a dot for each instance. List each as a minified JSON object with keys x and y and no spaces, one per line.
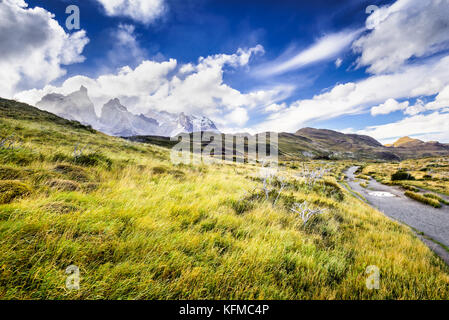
{"x":139,"y":227}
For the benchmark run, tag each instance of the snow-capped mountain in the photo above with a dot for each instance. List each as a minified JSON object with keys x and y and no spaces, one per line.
{"x":75,"y":106}
{"x":117,"y":120}
{"x":171,"y":124}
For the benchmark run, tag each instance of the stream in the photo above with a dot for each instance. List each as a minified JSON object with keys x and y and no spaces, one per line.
{"x":433,"y":222}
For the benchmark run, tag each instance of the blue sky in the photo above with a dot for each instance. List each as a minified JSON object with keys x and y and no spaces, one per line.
{"x":267,"y":65}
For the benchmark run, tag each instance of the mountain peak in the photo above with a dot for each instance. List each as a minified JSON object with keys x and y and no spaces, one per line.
{"x":405,"y":142}
{"x":75,"y":106}
{"x":114,"y":104}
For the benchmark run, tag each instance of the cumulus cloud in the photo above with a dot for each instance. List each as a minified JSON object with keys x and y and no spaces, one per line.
{"x":418,"y":107}
{"x":126,"y":48}
{"x":191,"y":88}
{"x":325,"y":48}
{"x":441,"y":101}
{"x":391,"y":105}
{"x":33,"y":46}
{"x":427,"y":127}
{"x":407,"y":29}
{"x":401,"y":52}
{"x":356,"y":97}
{"x":238,"y":116}
{"x":143,"y":11}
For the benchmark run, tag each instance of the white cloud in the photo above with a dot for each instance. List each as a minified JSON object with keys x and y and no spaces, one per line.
{"x":143,"y":11}
{"x":406,"y":29}
{"x":126,"y":49}
{"x":324,"y":48}
{"x":338,"y":63}
{"x":239,"y":116}
{"x":191,"y":88}
{"x":352,"y":98}
{"x":441,"y":100}
{"x":33,"y":46}
{"x":418,"y":107}
{"x":391,"y":105}
{"x":427,"y":127}
{"x":276,"y":107}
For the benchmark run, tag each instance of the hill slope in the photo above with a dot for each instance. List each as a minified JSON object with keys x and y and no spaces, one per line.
{"x":407,"y":147}
{"x":139,"y":227}
{"x":322,"y":143}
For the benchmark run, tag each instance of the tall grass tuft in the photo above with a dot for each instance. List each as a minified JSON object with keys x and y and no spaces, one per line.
{"x":423,"y":199}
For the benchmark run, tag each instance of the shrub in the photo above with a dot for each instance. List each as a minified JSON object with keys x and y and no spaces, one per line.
{"x":421,"y":198}
{"x":159,"y":170}
{"x":64,"y":185}
{"x":11,"y":189}
{"x":401,"y":175}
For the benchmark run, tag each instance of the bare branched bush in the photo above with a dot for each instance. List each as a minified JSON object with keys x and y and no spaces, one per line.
{"x":78,"y":152}
{"x":268,"y":175}
{"x":312,"y":176}
{"x":304,"y":212}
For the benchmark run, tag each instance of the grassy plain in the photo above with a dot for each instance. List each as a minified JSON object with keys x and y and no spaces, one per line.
{"x":139,"y":227}
{"x":430,"y":173}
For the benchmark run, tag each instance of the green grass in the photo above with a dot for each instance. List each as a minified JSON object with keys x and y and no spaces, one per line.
{"x":423,"y":199}
{"x":10,"y":190}
{"x":139,"y":227}
{"x":435,"y":197}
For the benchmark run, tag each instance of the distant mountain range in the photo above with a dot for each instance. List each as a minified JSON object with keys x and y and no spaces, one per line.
{"x":329,"y":144}
{"x":307,"y":143}
{"x":115,"y":119}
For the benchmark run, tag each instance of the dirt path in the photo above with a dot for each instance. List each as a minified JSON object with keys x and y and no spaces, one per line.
{"x":434,"y":223}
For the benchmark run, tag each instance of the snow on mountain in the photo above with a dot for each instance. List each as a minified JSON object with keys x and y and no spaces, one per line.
{"x":117,"y":120}
{"x":171,"y":124}
{"x":75,"y":106}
